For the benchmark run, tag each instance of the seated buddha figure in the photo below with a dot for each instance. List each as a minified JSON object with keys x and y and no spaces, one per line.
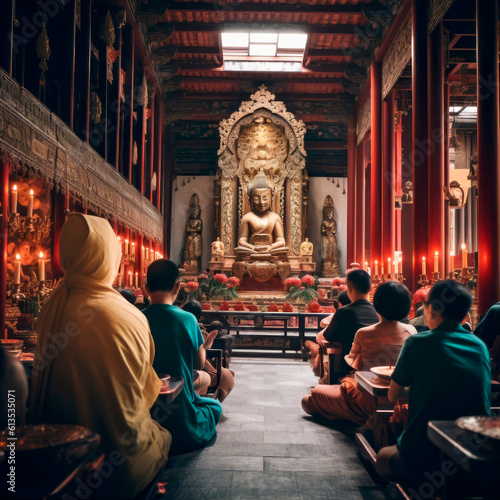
{"x":261,"y":233}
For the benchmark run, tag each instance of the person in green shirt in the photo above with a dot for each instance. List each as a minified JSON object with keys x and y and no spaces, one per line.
{"x":179,"y":349}
{"x":444,"y":373}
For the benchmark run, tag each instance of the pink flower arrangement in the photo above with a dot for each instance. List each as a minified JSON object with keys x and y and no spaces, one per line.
{"x":337,"y":282}
{"x":233,"y":282}
{"x":290,"y":282}
{"x":221,"y":277}
{"x":203,"y":276}
{"x":191,"y":286}
{"x":287,"y":307}
{"x":308,"y":280}
{"x":302,"y":287}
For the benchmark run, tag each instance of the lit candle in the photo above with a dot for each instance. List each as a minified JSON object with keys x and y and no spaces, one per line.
{"x":395,"y":264}
{"x":130,"y":278}
{"x":126,"y":247}
{"x":424,"y":268}
{"x":389,"y":265}
{"x":382,"y":270}
{"x":13,"y":200}
{"x":121,"y":243}
{"x":30,"y":204}
{"x":41,"y":268}
{"x":376,"y":267}
{"x":151,"y":254}
{"x":143,"y":252}
{"x":133,"y":249}
{"x":366,"y":266}
{"x":464,"y":256}
{"x":17,"y":270}
{"x":120,"y":280}
{"x":136,"y":280}
{"x":436,"y":262}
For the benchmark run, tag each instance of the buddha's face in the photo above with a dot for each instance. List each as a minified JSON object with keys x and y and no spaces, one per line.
{"x":261,"y":200}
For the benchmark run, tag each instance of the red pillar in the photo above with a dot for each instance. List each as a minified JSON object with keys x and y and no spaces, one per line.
{"x":388,"y":181}
{"x":398,"y":179}
{"x":447,"y":259}
{"x":419,"y":155}
{"x":436,"y":111}
{"x":351,"y":194}
{"x":376,"y":165}
{"x":488,"y":212}
{"x":360,"y":204}
{"x":4,"y":203}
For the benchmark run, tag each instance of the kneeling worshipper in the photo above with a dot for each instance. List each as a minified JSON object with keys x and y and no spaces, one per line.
{"x":191,"y":419}
{"x":444,"y":373}
{"x":94,"y":358}
{"x":373,"y":345}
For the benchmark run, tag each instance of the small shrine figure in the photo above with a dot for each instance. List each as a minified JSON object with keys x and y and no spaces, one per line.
{"x":407,"y":196}
{"x":217,"y":251}
{"x":192,"y":248}
{"x":306,"y":251}
{"x":329,"y":251}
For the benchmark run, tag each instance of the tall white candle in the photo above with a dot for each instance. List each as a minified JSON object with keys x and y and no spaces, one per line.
{"x":136,"y":284}
{"x":464,"y":256}
{"x":366,"y":266}
{"x":382,"y":270}
{"x":13,"y":200}
{"x":376,"y":267}
{"x":41,"y":268}
{"x":436,"y":262}
{"x":30,"y":204}
{"x":424,"y":268}
{"x":133,"y":249}
{"x":126,"y":247}
{"x":130,"y":278}
{"x":389,"y":265}
{"x":143,"y":252}
{"x":17,"y":270}
{"x":120,"y":280}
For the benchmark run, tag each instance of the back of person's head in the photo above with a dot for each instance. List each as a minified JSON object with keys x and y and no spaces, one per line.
{"x":129,"y":295}
{"x":392,"y":300}
{"x":194,"y":307}
{"x":359,"y":280}
{"x":162,"y":275}
{"x":419,"y":312}
{"x":450,"y":299}
{"x":344,"y":299}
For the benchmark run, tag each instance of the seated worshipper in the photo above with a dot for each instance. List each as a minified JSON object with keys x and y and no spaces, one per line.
{"x":374,"y":345}
{"x":349,"y":319}
{"x":314,"y":347}
{"x":226,"y":383}
{"x":445,"y":373}
{"x":94,"y":358}
{"x":179,"y":350}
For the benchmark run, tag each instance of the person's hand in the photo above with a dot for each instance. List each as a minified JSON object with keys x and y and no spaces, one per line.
{"x":209,"y":340}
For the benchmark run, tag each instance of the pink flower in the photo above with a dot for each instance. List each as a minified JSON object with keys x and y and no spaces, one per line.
{"x":252,"y":307}
{"x":338,"y":281}
{"x":233,"y":282}
{"x":191,"y":286}
{"x":302,"y":287}
{"x":421,"y":294}
{"x":224,"y":306}
{"x":203,"y":276}
{"x":239,"y":306}
{"x":290,"y":282}
{"x":206,"y":306}
{"x":221,"y":277}
{"x":308,"y":280}
{"x":342,"y":288}
{"x":287,"y":307}
{"x":314,"y":306}
{"x":272,"y":308}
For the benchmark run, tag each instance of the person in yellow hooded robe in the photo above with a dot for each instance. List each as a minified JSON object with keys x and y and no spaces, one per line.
{"x":94,"y":359}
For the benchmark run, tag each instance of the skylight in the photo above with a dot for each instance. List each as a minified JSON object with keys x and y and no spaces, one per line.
{"x":263,"y":51}
{"x":464,"y":113}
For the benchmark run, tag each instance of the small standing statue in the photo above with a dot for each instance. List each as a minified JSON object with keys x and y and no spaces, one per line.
{"x":329,"y":252}
{"x":217,"y":251}
{"x":306,"y":251}
{"x":192,"y":248}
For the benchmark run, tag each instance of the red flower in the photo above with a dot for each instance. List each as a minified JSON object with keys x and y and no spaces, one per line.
{"x":224,"y":306}
{"x":338,"y":282}
{"x":206,"y":306}
{"x":287,"y":307}
{"x":308,"y":280}
{"x":252,"y":307}
{"x":233,"y":282}
{"x":421,"y":294}
{"x":314,"y":306}
{"x":222,"y":278}
{"x":290,"y":282}
{"x":203,"y":276}
{"x":302,"y":287}
{"x":342,"y":288}
{"x":239,"y":306}
{"x":191,"y":286}
{"x":273,"y":308}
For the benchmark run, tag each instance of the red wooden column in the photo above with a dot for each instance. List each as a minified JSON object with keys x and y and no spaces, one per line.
{"x":488,"y":212}
{"x":398,"y":180}
{"x":351,"y":193}
{"x":167,"y":192}
{"x":447,"y":260}
{"x":436,"y":111}
{"x":158,"y":150}
{"x":376,"y":165}
{"x":360,"y":204}
{"x":388,"y":182}
{"x":141,"y":112}
{"x":419,"y":154}
{"x":4,"y":204}
{"x":151,"y":145}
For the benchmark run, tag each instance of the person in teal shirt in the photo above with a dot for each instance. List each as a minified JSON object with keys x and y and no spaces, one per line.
{"x":444,"y":373}
{"x":191,"y":419}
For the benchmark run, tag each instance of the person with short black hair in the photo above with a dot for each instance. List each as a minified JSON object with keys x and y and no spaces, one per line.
{"x":179,"y":350}
{"x":128,"y":295}
{"x":343,"y":298}
{"x":445,"y":373}
{"x":374,"y":345}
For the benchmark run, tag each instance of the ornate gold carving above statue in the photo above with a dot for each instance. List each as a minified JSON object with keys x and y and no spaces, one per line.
{"x":192,"y":248}
{"x":329,"y":251}
{"x":261,"y":231}
{"x":217,"y":251}
{"x":306,"y":251}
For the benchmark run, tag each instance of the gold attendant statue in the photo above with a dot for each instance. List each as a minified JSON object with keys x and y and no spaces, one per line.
{"x":261,"y":235}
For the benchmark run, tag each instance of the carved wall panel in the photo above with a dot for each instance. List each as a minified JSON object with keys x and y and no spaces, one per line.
{"x":437,"y":10}
{"x":363,"y":119}
{"x":38,"y":141}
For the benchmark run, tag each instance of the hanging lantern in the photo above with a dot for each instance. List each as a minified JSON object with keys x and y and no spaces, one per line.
{"x":43,"y":49}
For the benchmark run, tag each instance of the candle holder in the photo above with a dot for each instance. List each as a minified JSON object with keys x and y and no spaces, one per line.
{"x":437,"y":276}
{"x":400,"y":277}
{"x":16,"y":293}
{"x":33,"y":229}
{"x":376,"y":280}
{"x":466,"y":274}
{"x":423,"y":280}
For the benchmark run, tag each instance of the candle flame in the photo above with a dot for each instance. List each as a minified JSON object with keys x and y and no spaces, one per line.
{"x":133,"y":244}
{"x":376,"y":262}
{"x":119,"y":238}
{"x":463,"y":246}
{"x":126,"y":241}
{"x":137,"y":274}
{"x":31,"y":192}
{"x":18,"y":257}
{"x":130,"y":272}
{"x":41,"y":255}
{"x":143,"y":247}
{"x":436,"y":253}
{"x":423,"y":259}
{"x":14,"y":188}
{"x":389,"y":259}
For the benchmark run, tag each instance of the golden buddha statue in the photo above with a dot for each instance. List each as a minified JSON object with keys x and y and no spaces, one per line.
{"x":261,"y":234}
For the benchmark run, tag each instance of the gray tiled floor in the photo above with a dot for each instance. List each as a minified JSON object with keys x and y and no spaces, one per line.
{"x":267,"y":448}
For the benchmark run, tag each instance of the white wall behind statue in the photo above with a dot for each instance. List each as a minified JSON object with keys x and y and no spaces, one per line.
{"x":203,"y":186}
{"x":319,"y":188}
